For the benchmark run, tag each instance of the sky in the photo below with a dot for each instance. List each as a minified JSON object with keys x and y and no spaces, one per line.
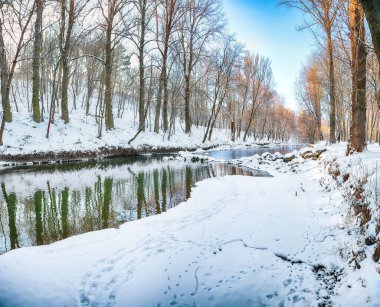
{"x":270,"y":29}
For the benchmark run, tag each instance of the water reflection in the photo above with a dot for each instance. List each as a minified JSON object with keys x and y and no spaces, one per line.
{"x":247,"y":152}
{"x":45,"y":204}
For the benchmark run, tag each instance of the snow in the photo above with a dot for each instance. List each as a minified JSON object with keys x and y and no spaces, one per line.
{"x":24,"y":136}
{"x":238,"y":241}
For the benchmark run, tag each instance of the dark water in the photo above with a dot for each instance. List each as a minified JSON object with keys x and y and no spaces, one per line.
{"x":44,"y":204}
{"x":250,"y":151}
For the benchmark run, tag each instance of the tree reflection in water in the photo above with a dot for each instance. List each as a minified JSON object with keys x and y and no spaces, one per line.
{"x":114,"y":192}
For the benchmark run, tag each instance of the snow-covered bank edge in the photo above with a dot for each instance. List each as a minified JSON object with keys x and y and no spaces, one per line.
{"x":26,"y":141}
{"x":51,"y":157}
{"x":259,"y":161}
{"x":357,"y":179}
{"x":63,"y":156}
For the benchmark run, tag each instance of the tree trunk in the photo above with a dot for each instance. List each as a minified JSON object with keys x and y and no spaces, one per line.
{"x":187,"y":105}
{"x":331,"y":87}
{"x":37,"y":62}
{"x":65,"y":88}
{"x":65,"y":63}
{"x":233,"y":131}
{"x":159,"y":96}
{"x":142,"y":69}
{"x":165,"y":105}
{"x":7,"y":114}
{"x":359,"y":63}
{"x":108,"y":74}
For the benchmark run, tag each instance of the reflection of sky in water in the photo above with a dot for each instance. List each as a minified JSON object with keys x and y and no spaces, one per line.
{"x":247,"y":152}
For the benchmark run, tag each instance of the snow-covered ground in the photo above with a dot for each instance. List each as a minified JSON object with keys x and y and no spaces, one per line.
{"x":238,"y":241}
{"x":23,"y":136}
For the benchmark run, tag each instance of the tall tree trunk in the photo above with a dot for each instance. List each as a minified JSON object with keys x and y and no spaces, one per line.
{"x":165,"y":104}
{"x":162,"y":88}
{"x":7,"y":114}
{"x":141,"y":66}
{"x":158,"y":104}
{"x":248,"y":127}
{"x":65,"y":62}
{"x":359,"y":63}
{"x":331,"y":87}
{"x":233,"y":130}
{"x":187,"y":105}
{"x":37,"y":62}
{"x":108,"y":73}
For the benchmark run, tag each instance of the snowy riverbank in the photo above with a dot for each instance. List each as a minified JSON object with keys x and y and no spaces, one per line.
{"x":26,"y":141}
{"x":238,"y":241}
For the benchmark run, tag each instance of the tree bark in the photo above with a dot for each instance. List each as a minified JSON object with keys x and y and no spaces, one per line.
{"x":108,"y":70}
{"x":141,"y":66}
{"x":65,"y":62}
{"x":187,"y":105}
{"x":165,"y":105}
{"x":7,"y":114}
{"x":331,"y":87}
{"x":158,"y":104}
{"x":37,"y":62}
{"x":359,"y":63}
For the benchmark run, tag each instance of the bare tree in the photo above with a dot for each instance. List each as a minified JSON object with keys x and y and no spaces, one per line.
{"x":223,"y":60}
{"x":261,"y":84}
{"x":144,"y":14}
{"x":323,"y":13}
{"x":243,"y":87}
{"x":309,"y":93}
{"x":166,"y":21}
{"x":113,"y":19}
{"x":202,"y":20}
{"x":18,"y":16}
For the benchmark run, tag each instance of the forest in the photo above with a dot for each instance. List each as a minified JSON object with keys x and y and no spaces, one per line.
{"x":173,"y":64}
{"x":168,"y":63}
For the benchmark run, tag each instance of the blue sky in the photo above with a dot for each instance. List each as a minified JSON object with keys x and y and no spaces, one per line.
{"x":269,"y":29}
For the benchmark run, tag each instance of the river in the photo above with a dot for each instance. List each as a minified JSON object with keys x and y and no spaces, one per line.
{"x":43,"y":204}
